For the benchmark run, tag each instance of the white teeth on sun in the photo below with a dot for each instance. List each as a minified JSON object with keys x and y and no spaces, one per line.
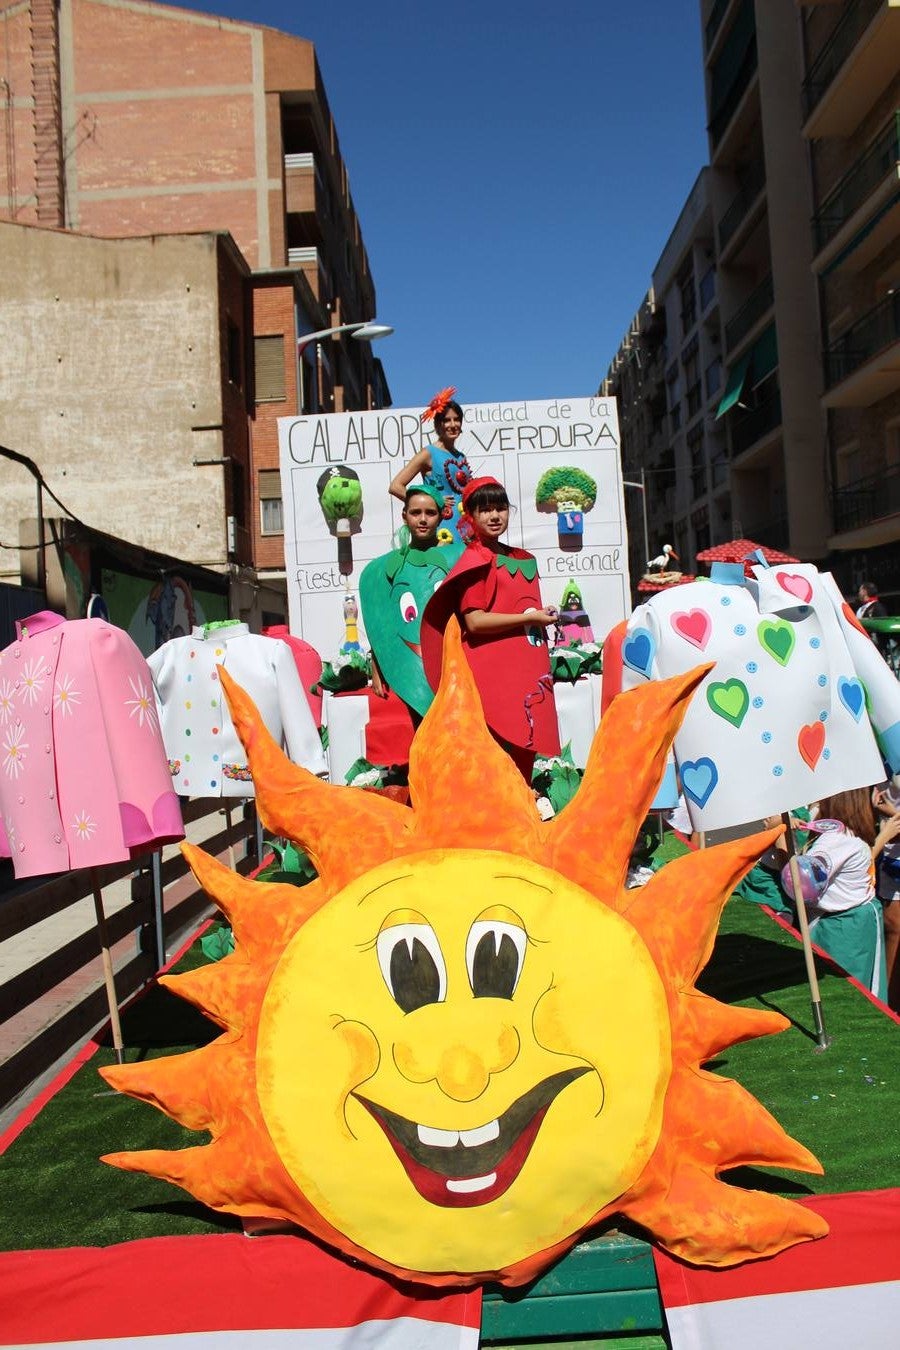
{"x":468,"y":1185}
{"x":485,"y":1134}
{"x":482,"y":1134}
{"x":437,"y":1138}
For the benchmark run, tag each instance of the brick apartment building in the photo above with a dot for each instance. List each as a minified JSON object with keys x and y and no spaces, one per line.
{"x":136,"y":120}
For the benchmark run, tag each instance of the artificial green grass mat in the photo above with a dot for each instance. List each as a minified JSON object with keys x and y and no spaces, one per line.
{"x":843,"y":1103}
{"x":53,"y":1190}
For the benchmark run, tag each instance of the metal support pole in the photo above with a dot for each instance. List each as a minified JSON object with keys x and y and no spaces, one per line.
{"x":158,"y":913}
{"x":822,"y":1039}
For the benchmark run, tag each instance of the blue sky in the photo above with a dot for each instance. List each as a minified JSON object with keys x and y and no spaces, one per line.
{"x":516,"y":166}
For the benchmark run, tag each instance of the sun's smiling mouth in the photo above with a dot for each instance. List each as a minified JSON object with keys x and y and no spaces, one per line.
{"x":470,"y":1167}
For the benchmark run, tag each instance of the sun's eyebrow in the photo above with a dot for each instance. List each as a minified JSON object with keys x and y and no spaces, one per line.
{"x":523,"y":881}
{"x":391,"y":881}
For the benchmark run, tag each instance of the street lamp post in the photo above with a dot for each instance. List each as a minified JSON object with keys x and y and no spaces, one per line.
{"x":642,"y":488}
{"x":367,"y":331}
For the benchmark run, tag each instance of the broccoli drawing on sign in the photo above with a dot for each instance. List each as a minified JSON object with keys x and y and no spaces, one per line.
{"x":569,"y":492}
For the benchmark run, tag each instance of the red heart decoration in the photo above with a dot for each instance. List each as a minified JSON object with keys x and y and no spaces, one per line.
{"x":811,"y":742}
{"x":795,"y":585}
{"x":694,"y":625}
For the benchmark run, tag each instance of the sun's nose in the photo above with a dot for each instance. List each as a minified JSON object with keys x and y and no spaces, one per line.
{"x":462,"y":1066}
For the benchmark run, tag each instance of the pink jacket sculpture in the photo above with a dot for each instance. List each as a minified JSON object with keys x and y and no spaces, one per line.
{"x":83,"y":774}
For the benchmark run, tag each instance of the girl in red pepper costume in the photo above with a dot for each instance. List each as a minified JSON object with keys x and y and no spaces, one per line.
{"x":494,"y":591}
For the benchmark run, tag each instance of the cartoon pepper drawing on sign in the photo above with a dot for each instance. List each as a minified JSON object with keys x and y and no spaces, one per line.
{"x":466,"y":1042}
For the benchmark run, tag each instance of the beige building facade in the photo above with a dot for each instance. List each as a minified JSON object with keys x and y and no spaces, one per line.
{"x":117,"y":361}
{"x":776,"y":300}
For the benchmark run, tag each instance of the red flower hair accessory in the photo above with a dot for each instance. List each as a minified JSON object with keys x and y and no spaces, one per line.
{"x":438,"y":403}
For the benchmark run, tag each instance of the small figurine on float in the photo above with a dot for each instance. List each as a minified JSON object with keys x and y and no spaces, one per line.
{"x":574,"y":624}
{"x":443,"y":467}
{"x":495,"y":592}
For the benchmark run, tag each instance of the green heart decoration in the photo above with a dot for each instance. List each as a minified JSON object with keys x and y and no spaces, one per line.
{"x":729,"y":699}
{"x":777,"y":637}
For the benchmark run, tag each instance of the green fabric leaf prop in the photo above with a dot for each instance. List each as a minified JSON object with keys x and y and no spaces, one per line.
{"x":557,"y":778}
{"x":568,"y":664}
{"x":348,"y":671}
{"x":218,"y":942}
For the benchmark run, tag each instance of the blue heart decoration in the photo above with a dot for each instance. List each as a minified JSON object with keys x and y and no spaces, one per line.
{"x":852,"y":695}
{"x":698,"y":779}
{"x":638,"y":650}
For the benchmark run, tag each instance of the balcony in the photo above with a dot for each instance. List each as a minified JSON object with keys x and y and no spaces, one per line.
{"x":753,"y":182}
{"x":714,"y":22}
{"x":861,"y":214}
{"x":302,"y":185}
{"x":750,"y":313}
{"x":773,"y":532}
{"x":733,"y":71}
{"x":866,"y":500}
{"x":707,"y":289}
{"x":315,"y":271}
{"x":756,"y":423}
{"x":862,"y":366}
{"x":853,"y":69}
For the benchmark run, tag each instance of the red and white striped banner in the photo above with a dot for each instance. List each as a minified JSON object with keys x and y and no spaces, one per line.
{"x":841,"y":1291}
{"x":268,"y":1293}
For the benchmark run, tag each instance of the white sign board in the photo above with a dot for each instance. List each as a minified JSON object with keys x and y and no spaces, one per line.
{"x":515,"y":442}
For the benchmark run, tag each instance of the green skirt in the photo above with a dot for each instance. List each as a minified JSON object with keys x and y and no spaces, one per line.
{"x":854,"y":939}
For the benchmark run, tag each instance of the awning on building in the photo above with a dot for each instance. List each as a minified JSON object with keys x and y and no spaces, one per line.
{"x":734,"y":386}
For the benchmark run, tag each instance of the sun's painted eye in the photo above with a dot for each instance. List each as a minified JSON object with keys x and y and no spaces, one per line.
{"x":412,"y":964}
{"x":495,"y":952}
{"x":409,"y":610}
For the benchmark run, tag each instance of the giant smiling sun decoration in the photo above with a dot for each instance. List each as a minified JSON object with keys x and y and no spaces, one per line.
{"x":465,"y":1043}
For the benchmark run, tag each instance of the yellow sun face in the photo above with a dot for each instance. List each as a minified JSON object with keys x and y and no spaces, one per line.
{"x":470,"y":1044}
{"x":465,"y":1043}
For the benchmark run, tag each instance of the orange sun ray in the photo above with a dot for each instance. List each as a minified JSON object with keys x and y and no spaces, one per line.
{"x":613,"y":799}
{"x":295,"y":804}
{"x":467,"y":796}
{"x":693,"y":889}
{"x":454,"y":756}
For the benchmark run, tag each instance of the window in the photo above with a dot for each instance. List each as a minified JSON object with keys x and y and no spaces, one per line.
{"x":268,"y":362}
{"x":688,"y":301}
{"x":271,"y":510}
{"x":233,"y":339}
{"x":714,"y":376}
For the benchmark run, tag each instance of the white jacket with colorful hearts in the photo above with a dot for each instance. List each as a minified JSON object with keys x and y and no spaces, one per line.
{"x":791,"y":711}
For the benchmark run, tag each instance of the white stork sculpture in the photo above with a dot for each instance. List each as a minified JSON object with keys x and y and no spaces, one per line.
{"x":661,"y":561}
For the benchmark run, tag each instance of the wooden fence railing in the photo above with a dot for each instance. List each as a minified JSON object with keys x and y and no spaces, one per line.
{"x":56,"y":998}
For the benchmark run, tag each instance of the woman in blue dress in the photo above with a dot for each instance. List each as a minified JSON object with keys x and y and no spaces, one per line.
{"x":442,"y":466}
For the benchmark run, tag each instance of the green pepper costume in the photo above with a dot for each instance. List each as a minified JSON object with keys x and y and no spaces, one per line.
{"x":393,"y":591}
